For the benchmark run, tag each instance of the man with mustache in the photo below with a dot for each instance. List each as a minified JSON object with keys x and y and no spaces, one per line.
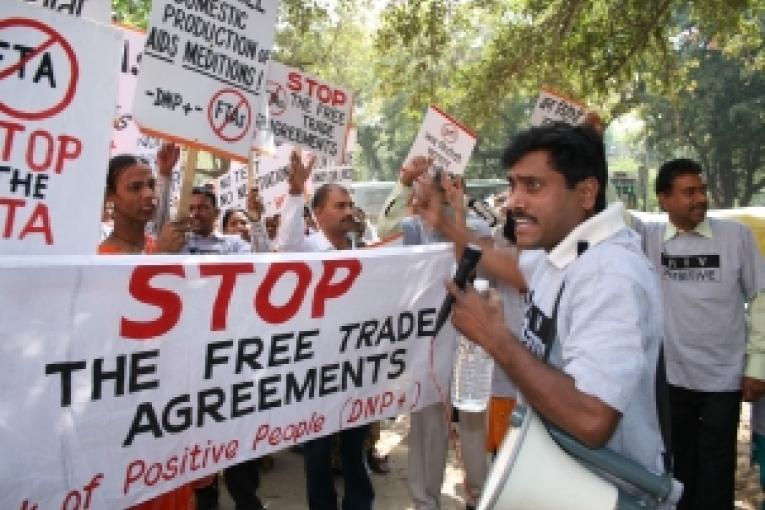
{"x":333,"y":209}
{"x":586,"y":359}
{"x":709,"y":269}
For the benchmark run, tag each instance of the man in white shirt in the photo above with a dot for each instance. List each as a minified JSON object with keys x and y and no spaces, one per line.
{"x":708,"y":269}
{"x":333,"y":209}
{"x":599,"y":384}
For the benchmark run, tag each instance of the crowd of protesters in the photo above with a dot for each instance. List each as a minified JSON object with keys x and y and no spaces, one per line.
{"x":623,"y":296}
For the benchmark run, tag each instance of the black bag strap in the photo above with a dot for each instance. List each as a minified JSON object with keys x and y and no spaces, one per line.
{"x":662,"y":387}
{"x":552,"y":331}
{"x":662,"y":410}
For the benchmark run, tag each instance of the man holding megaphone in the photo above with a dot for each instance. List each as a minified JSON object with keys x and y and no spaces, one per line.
{"x":586,"y":360}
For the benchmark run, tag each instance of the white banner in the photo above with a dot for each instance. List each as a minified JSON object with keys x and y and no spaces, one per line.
{"x":96,"y":10}
{"x":445,"y":140}
{"x":203,"y":70}
{"x":58,"y":82}
{"x":553,"y":107}
{"x":307,"y":111}
{"x":123,"y":377}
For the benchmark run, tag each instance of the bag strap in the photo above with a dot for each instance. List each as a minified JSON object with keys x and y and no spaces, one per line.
{"x":662,"y":410}
{"x":661,"y":385}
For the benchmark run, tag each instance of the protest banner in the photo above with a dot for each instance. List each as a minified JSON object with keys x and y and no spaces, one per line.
{"x":442,"y":138}
{"x":554,"y":107}
{"x":271,"y":172}
{"x":231,"y":188}
{"x":202,"y":71}
{"x":306,"y":111}
{"x":135,"y":375}
{"x":95,"y":10}
{"x":55,"y":71}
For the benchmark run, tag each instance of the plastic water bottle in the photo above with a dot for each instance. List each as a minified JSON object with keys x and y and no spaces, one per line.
{"x":473,"y":368}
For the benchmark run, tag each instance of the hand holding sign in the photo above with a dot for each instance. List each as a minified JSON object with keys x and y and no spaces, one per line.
{"x":416,"y":167}
{"x":299,"y":172}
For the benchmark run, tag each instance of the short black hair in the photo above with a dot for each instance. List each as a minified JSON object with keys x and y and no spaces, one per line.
{"x":673,"y":169}
{"x":577,"y":152}
{"x":228,"y":213}
{"x":321,"y":195}
{"x":207,"y":192}
{"x":117,"y":165}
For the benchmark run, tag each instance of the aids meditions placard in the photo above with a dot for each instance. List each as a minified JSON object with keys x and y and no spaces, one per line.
{"x":307,"y":111}
{"x":96,"y":10}
{"x":203,"y":68}
{"x":125,"y":377}
{"x":553,"y":107}
{"x":442,"y":138}
{"x":58,"y":84}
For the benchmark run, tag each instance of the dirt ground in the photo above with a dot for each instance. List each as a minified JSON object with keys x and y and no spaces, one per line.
{"x":283,"y":488}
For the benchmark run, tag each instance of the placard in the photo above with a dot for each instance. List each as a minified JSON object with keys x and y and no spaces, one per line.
{"x":202,"y":71}
{"x":442,"y":138}
{"x":58,"y":83}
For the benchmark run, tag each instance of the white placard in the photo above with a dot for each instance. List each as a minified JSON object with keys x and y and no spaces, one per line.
{"x":552,"y":107}
{"x":124,"y":377}
{"x":95,"y":10}
{"x":56,"y":106}
{"x":271,"y":178}
{"x":232,"y":188}
{"x":342,"y":175}
{"x":309,"y":112}
{"x":442,"y":138}
{"x":202,"y":71}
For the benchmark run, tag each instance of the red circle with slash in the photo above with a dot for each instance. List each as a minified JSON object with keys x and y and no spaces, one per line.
{"x":54,"y":39}
{"x":226,"y":129}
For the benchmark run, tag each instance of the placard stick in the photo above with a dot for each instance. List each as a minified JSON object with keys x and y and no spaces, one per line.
{"x":187,"y":181}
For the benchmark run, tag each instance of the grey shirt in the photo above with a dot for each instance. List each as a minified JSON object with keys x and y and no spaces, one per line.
{"x":609,"y":326}
{"x":706,"y":281}
{"x":216,"y":244}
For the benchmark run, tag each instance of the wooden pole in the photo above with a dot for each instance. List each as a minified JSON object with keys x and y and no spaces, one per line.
{"x":187,"y":181}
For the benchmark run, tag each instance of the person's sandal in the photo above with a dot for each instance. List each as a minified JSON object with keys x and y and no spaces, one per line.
{"x":377,"y":463}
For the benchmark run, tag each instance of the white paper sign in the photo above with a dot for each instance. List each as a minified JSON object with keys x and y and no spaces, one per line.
{"x":232,"y":188}
{"x":271,"y":178}
{"x":306,"y":111}
{"x":56,"y":105}
{"x":551,"y":107}
{"x":342,"y":175}
{"x":202,"y":71}
{"x":125,"y":377}
{"x":125,"y":135}
{"x":445,"y":140}
{"x":95,"y":10}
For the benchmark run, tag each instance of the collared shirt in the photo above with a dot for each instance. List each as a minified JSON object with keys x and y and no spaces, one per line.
{"x":609,"y":325}
{"x":703,"y":229}
{"x":215,"y":244}
{"x":291,"y":235}
{"x":707,"y":276}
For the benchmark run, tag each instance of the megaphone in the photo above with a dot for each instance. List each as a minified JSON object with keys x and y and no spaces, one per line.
{"x":532,"y":472}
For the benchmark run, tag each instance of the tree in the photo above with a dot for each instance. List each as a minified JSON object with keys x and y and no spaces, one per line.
{"x":717,"y":117}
